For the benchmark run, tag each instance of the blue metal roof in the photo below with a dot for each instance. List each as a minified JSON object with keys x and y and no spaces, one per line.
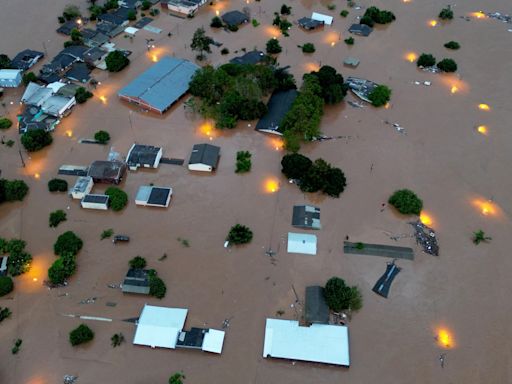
{"x":162,"y":84}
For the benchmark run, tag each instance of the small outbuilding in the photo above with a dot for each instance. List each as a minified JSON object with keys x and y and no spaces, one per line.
{"x":351,"y":62}
{"x":360,"y":29}
{"x":93,"y":201}
{"x":136,"y":281}
{"x":326,"y":19}
{"x":151,"y":196}
{"x":108,"y":172}
{"x":309,"y":24}
{"x":204,"y":158}
{"x":316,"y":308}
{"x":301,"y":243}
{"x":306,"y":217}
{"x":234,"y":18}
{"x":146,"y":156}
{"x":10,"y":78}
{"x":81,"y":188}
{"x":251,"y":57}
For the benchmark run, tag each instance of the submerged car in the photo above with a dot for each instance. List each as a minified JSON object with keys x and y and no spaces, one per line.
{"x":120,"y":238}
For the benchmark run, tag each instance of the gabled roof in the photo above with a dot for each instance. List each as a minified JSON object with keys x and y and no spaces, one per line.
{"x":9,"y":74}
{"x":67,"y":27}
{"x":277,"y":107}
{"x":35,"y":94}
{"x":162,"y":84}
{"x":26,"y":59}
{"x":136,"y":281}
{"x":112,"y":18}
{"x":32,"y":118}
{"x":360,"y":29}
{"x":234,"y":18}
{"x":93,"y":54}
{"x":76,"y":51}
{"x":317,"y":310}
{"x":301,"y":243}
{"x":144,"y":155}
{"x":205,"y":154}
{"x":251,"y":57}
{"x":106,"y":170}
{"x":79,"y":72}
{"x":309,"y":23}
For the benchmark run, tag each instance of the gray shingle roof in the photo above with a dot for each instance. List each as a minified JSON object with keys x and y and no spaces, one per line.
{"x":205,"y":154}
{"x":317,"y":310}
{"x":278,"y":106}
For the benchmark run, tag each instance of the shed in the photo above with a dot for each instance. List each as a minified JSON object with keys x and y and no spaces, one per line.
{"x":321,"y":17}
{"x":159,"y":87}
{"x":319,"y":343}
{"x":26,"y":59}
{"x":351,"y":62}
{"x":93,"y":201}
{"x":10,"y":78}
{"x":317,"y":310}
{"x":109,"y":172}
{"x":306,"y":216}
{"x":159,"y":326}
{"x":301,"y":243}
{"x":277,"y":107}
{"x":136,"y":281}
{"x":360,"y":29}
{"x":309,"y":24}
{"x":82,"y":187}
{"x":234,"y":18}
{"x":146,"y":156}
{"x":152,"y":196}
{"x":204,"y":158}
{"x":251,"y":57}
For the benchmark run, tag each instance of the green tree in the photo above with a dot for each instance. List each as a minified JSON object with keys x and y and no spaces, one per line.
{"x":5,"y":62}
{"x":18,"y":263}
{"x":349,"y":40}
{"x":58,"y":185}
{"x":216,"y":22}
{"x":117,"y":198}
{"x":102,"y":137}
{"x":82,"y":95}
{"x":243,"y":161}
{"x":201,"y":43}
{"x":446,"y":13}
{"x":273,"y":46}
{"x":6,"y":285}
{"x":286,"y":10}
{"x":380,"y":95}
{"x":76,"y":36}
{"x":138,"y":262}
{"x":426,"y":60}
{"x":13,"y":190}
{"x":29,"y":77}
{"x":116,"y":61}
{"x":177,"y":378}
{"x":308,"y":48}
{"x":131,"y":15}
{"x":68,"y":242}
{"x":146,"y":5}
{"x":239,"y":234}
{"x":57,"y":217}
{"x":62,"y":268}
{"x":5,"y":123}
{"x":367,"y":20}
{"x":378,"y":16}
{"x":71,"y":12}
{"x":452,"y":45}
{"x":157,"y":286}
{"x":81,"y":334}
{"x":340,"y":296}
{"x":4,"y":313}
{"x":35,"y":140}
{"x":344,"y":13}
{"x":447,"y":65}
{"x":479,"y":236}
{"x":295,"y":165}
{"x":406,"y":202}
{"x":332,"y":87}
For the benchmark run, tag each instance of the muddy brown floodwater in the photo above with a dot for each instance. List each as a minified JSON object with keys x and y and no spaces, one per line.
{"x":455,"y":169}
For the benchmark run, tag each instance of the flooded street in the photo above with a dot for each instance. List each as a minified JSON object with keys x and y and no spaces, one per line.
{"x":441,"y":156}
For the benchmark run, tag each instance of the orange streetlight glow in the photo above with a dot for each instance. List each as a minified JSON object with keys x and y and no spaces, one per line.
{"x":426,"y":219}
{"x":454,"y":89}
{"x":432,"y":23}
{"x":271,"y":185}
{"x":34,"y":279}
{"x":484,"y":107}
{"x":276,"y":143}
{"x":411,"y":57}
{"x":482,"y":129}
{"x":333,"y":43}
{"x":69,"y":133}
{"x":486,"y":207}
{"x":154,"y":58}
{"x":37,"y":176}
{"x":445,"y":338}
{"x":478,"y":15}
{"x":103,"y":99}
{"x":217,"y":12}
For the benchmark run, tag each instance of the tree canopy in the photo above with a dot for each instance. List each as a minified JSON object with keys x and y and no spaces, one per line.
{"x":116,"y":61}
{"x":5,"y":123}
{"x":81,"y":334}
{"x":138,"y":262}
{"x":12,"y":190}
{"x":374,"y":15}
{"x":102,"y":137}
{"x":447,"y":65}
{"x":426,"y":60}
{"x":117,"y":198}
{"x":35,"y":140}
{"x":62,"y":268}
{"x":201,"y":43}
{"x":340,"y":296}
{"x":273,"y":46}
{"x":19,"y":260}
{"x":239,"y":234}
{"x":6,"y":285}
{"x":57,"y":185}
{"x":5,"y":61}
{"x":380,"y":95}
{"x":406,"y":202}
{"x":68,"y":242}
{"x":332,"y":85}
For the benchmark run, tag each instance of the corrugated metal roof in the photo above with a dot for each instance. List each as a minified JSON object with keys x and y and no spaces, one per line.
{"x":162,"y":84}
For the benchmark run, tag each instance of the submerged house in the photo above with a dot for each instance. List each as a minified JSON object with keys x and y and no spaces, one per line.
{"x":151,"y":196}
{"x":81,"y":188}
{"x":362,"y":88}
{"x":204,"y":158}
{"x":316,"y":308}
{"x":277,"y":107}
{"x":95,"y":201}
{"x":32,"y":118}
{"x":145,"y":156}
{"x":310,"y":24}
{"x":26,"y":59}
{"x":10,"y":78}
{"x":108,"y":172}
{"x":136,"y":281}
{"x":360,"y":29}
{"x":306,"y":217}
{"x":251,"y":57}
{"x":234,"y":18}
{"x":182,"y":8}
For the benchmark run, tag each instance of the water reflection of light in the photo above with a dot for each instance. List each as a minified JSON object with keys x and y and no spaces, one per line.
{"x":37,"y":176}
{"x":103,"y":99}
{"x":454,"y":89}
{"x":482,"y":129}
{"x":478,"y":14}
{"x":445,"y":338}
{"x":387,"y":105}
{"x":69,"y":133}
{"x":271,"y":185}
{"x":484,"y":107}
{"x":411,"y":57}
{"x":432,"y":23}
{"x":486,"y":207}
{"x":272,"y":31}
{"x":426,"y":219}
{"x":276,"y":143}
{"x":207,"y":129}
{"x":154,"y":58}
{"x":311,"y":67}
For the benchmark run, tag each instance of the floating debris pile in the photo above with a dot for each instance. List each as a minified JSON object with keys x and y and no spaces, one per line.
{"x":426,"y":237}
{"x":500,"y":17}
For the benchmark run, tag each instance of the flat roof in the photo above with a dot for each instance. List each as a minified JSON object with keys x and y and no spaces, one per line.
{"x":320,"y":343}
{"x":162,"y":84}
{"x":321,"y":17}
{"x":82,"y":183}
{"x":142,"y":154}
{"x":213,"y":341}
{"x":301,"y":243}
{"x":159,"y":326}
{"x":96,"y":199}
{"x":306,"y":216}
{"x":316,"y":309}
{"x":159,"y":196}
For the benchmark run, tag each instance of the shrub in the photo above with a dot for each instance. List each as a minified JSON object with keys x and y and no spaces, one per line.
{"x":82,"y":95}
{"x":29,"y":77}
{"x":80,"y":335}
{"x":255,"y":23}
{"x":239,"y":234}
{"x":216,"y":22}
{"x":57,"y":217}
{"x":116,"y":61}
{"x":406,"y":202}
{"x":224,"y":51}
{"x":71,"y":12}
{"x":321,"y":176}
{"x":35,"y":140}
{"x":131,"y":15}
{"x":426,"y":60}
{"x":117,"y":339}
{"x":106,"y":234}
{"x":349,"y":41}
{"x":68,"y":242}
{"x":367,"y":20}
{"x":452,"y":45}
{"x":446,"y":13}
{"x":17,"y":345}
{"x":447,"y":65}
{"x":102,"y":137}
{"x":273,"y":46}
{"x":18,"y":263}
{"x":478,"y":237}
{"x":340,"y":296}
{"x":146,"y":5}
{"x":5,"y":123}
{"x":137,"y":262}
{"x":6,"y":285}
{"x":308,"y":48}
{"x":4,"y":313}
{"x":57,"y":185}
{"x":62,"y":268}
{"x":243,"y":161}
{"x":286,"y":10}
{"x":378,"y":16}
{"x":380,"y":95}
{"x":177,"y":378}
{"x":344,"y":13}
{"x":12,"y":190}
{"x":295,"y":165}
{"x":157,"y":286}
{"x":117,"y":198}
{"x":9,"y":143}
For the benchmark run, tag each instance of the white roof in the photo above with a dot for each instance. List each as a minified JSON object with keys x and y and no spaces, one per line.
{"x":321,"y":17}
{"x":301,"y":243}
{"x":213,"y":341}
{"x":9,"y":74}
{"x":320,"y":343}
{"x":160,"y":326}
{"x":131,"y":30}
{"x":55,"y":86}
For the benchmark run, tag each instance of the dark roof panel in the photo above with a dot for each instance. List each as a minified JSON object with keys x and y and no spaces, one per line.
{"x":279,"y":104}
{"x":159,"y":196}
{"x":234,"y":18}
{"x":317,"y":310}
{"x":205,"y":154}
